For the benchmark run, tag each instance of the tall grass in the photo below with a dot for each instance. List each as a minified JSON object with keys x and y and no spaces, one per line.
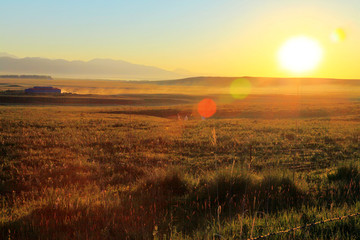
{"x":83,"y":173}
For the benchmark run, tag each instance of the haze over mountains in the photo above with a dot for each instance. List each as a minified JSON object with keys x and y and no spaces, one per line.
{"x":96,"y":68}
{"x":5,"y":54}
{"x":122,"y":70}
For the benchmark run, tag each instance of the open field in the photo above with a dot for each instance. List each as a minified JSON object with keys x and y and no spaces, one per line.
{"x":259,"y":165}
{"x":180,"y":120}
{"x":192,"y":86}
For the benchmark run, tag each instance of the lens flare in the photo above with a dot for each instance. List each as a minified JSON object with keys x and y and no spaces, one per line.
{"x":240,"y":88}
{"x":338,"y":35}
{"x":207,"y":107}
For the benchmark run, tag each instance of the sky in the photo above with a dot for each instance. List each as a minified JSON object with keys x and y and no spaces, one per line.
{"x":206,"y":37}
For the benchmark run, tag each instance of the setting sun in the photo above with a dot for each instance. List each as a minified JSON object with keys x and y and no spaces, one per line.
{"x":300,"y":54}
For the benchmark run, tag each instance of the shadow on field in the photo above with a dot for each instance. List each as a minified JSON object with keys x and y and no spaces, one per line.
{"x":161,"y":201}
{"x":229,"y":113}
{"x":82,"y":222}
{"x":167,"y":199}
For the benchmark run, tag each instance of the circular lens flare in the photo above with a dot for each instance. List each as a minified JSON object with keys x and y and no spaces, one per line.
{"x":338,"y":35}
{"x":240,"y":88}
{"x":300,"y":54}
{"x":207,"y":107}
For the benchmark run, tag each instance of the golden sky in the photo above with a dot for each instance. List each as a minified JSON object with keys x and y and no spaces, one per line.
{"x":221,"y":38}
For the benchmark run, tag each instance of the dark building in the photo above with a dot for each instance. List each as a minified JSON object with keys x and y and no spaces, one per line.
{"x":42,"y":90}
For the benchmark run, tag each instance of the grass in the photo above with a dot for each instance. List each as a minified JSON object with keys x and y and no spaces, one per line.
{"x":102,"y":173}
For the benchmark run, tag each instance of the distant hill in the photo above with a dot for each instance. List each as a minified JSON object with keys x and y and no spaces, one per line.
{"x":96,"y":68}
{"x":255,"y":81}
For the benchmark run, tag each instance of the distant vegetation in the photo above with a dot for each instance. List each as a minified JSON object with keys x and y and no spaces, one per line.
{"x":27,"y":76}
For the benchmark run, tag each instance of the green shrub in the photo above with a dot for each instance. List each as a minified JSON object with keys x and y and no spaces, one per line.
{"x":171,"y":182}
{"x":346,"y":184}
{"x":345,"y":174}
{"x":279,"y":193}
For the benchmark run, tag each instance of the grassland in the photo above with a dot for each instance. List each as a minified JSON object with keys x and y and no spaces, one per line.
{"x":190,"y":86}
{"x":259,"y":165}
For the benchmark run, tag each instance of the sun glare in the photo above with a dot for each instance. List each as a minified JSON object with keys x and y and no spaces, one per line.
{"x":300,"y":54}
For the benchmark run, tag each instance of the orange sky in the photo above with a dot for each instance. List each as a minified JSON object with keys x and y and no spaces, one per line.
{"x":221,"y":38}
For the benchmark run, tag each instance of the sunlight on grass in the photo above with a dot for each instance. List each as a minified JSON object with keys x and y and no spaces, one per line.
{"x":100,"y":172}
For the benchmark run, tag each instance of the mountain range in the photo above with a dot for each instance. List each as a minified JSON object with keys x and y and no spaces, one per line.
{"x":96,"y":68}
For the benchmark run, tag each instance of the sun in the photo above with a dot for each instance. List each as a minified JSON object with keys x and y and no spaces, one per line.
{"x":300,"y":54}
